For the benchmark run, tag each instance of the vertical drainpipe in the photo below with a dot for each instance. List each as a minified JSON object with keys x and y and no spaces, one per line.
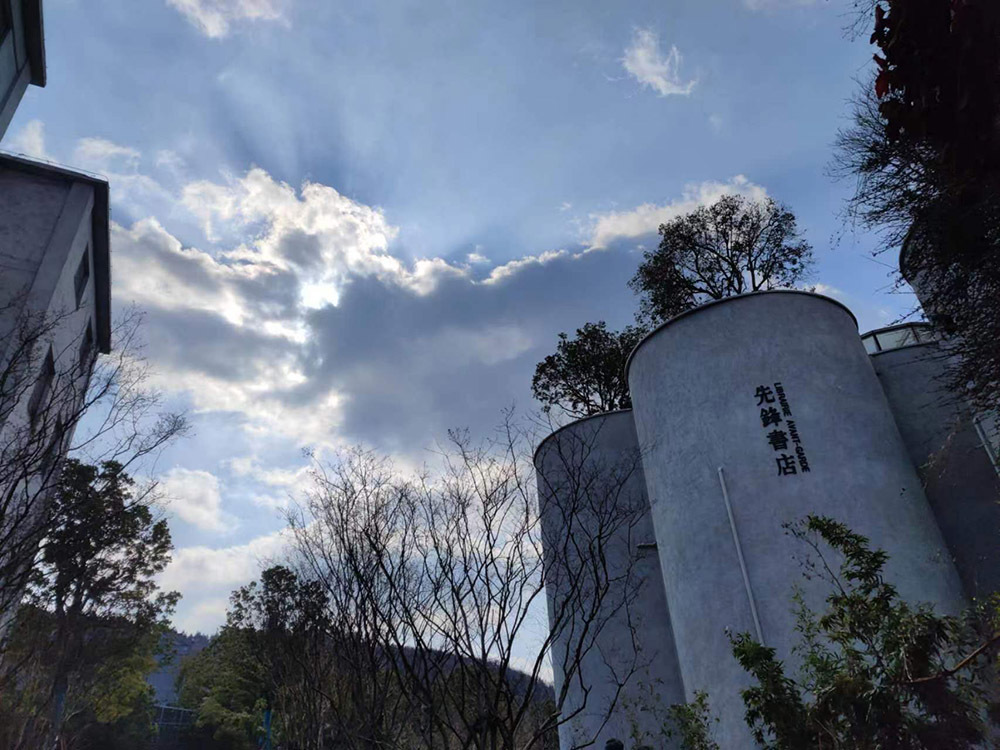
{"x":739,"y":554}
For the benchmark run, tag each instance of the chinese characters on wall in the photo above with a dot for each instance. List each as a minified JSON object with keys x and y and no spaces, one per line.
{"x":780,"y":430}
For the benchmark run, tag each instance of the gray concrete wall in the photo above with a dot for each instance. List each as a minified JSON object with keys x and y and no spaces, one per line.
{"x":591,"y":489}
{"x":15,"y":65}
{"x":31,"y":207}
{"x":959,"y":478}
{"x":694,"y":387}
{"x":44,"y":235}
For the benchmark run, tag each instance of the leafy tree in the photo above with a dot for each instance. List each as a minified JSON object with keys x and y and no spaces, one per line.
{"x":876,"y":672}
{"x":691,"y":723}
{"x":733,"y":246}
{"x":586,"y":375}
{"x":283,"y":620}
{"x":58,"y":397}
{"x":95,"y":617}
{"x":222,"y":682}
{"x":924,"y":151}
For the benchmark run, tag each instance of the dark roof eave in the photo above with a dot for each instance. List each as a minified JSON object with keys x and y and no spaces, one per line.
{"x":101,"y":230}
{"x":34,"y":32}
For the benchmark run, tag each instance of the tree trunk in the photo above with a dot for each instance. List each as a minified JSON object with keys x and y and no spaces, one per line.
{"x":59,"y":688}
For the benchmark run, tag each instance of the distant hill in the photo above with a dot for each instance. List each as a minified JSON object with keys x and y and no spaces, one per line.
{"x":181,"y":646}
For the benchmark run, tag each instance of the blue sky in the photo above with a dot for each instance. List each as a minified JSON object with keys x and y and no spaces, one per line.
{"x":366,"y":222}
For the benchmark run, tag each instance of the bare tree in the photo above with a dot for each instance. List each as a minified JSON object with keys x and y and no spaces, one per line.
{"x":58,"y":396}
{"x":443,"y":580}
{"x":356,"y":509}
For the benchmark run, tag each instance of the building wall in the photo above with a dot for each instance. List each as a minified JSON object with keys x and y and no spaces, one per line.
{"x":15,"y":64}
{"x":31,"y":207}
{"x":694,"y":386}
{"x":45,"y":233}
{"x":959,"y":477}
{"x":591,"y":487}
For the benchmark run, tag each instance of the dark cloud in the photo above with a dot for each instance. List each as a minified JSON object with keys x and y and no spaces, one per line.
{"x":413,"y":366}
{"x":205,"y":342}
{"x":301,"y":248}
{"x":273,"y":295}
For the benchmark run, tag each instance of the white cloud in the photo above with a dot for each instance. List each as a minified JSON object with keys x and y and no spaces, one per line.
{"x":649,"y":66}
{"x":287,"y":484}
{"x":30,"y":141}
{"x":646,"y":219}
{"x":196,"y":498}
{"x":207,"y":576}
{"x":289,"y":252}
{"x":214,"y":18}
{"x":829,"y":291}
{"x":202,"y":570}
{"x":316,"y":230}
{"x":104,"y":155}
{"x":499,"y":273}
{"x":204,"y":617}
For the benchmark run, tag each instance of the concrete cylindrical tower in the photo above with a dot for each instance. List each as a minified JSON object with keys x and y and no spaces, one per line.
{"x":910,"y":257}
{"x":949,"y":449}
{"x":592,"y":496}
{"x":757,"y":411}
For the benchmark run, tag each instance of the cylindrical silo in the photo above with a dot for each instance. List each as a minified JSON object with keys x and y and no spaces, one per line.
{"x":949,"y":449}
{"x":912,"y":259}
{"x":595,"y":518}
{"x":758,"y":410}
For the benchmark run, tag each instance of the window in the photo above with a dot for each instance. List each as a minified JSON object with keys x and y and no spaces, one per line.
{"x":87,"y":349}
{"x":896,"y":338}
{"x":53,"y":452}
{"x":82,"y":274}
{"x":42,"y":387}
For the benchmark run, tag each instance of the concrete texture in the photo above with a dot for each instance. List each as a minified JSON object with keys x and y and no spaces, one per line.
{"x":591,"y":489}
{"x":50,"y":217}
{"x":959,"y":478}
{"x":694,"y":385}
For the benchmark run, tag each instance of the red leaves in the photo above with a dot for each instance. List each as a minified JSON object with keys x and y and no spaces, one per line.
{"x":882,"y":84}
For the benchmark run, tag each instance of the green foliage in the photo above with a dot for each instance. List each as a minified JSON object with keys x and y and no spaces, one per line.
{"x":222,"y":682}
{"x":733,"y":246}
{"x":875,"y":670}
{"x":586,"y":375}
{"x":692,"y":723}
{"x":75,"y":668}
{"x":270,"y":655}
{"x":104,"y":550}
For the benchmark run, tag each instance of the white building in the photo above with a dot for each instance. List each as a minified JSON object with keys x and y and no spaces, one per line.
{"x":22,"y":53}
{"x":749,"y":413}
{"x":55,"y":302}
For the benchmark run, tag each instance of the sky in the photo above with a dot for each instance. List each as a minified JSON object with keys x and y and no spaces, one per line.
{"x":366,"y":222}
